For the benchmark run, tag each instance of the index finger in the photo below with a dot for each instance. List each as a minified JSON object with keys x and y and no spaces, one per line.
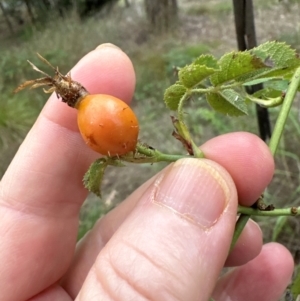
{"x":41,"y":192}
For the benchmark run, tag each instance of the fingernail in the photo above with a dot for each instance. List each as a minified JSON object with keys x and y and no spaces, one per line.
{"x":108,"y":45}
{"x":194,"y":189}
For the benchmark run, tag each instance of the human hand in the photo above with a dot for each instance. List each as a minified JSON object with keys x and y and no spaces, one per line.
{"x":167,"y":241}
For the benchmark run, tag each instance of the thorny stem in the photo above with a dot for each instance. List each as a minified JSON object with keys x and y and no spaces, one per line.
{"x":246,"y":212}
{"x":214,"y":89}
{"x":284,"y":112}
{"x":154,"y":155}
{"x":292,"y":211}
{"x":150,"y":155}
{"x":196,"y":150}
{"x":180,"y":111}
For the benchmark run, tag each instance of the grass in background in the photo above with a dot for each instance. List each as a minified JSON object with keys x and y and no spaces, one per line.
{"x":216,"y":7}
{"x":64,"y":41}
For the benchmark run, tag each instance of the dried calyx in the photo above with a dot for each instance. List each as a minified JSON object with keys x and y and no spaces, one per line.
{"x":67,"y":89}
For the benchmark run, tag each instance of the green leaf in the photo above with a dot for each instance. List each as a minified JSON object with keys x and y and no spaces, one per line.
{"x":93,"y":178}
{"x":280,"y":85}
{"x":279,"y":56}
{"x":277,"y":83}
{"x":259,"y":81}
{"x":227,"y":102}
{"x":204,"y":66}
{"x":207,"y":60}
{"x":235,"y":65}
{"x":270,"y":82}
{"x":192,"y":75}
{"x":256,"y":74}
{"x":173,"y":95}
{"x":275,"y":59}
{"x":295,"y":287}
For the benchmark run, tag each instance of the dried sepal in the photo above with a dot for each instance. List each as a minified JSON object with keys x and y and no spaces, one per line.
{"x":69,"y":90}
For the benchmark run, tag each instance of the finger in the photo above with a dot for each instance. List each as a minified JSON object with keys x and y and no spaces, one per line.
{"x":264,"y":278}
{"x":247,"y":247}
{"x":175,"y":241}
{"x":91,"y":244}
{"x":250,"y":154}
{"x":42,"y":191}
{"x":254,"y":157}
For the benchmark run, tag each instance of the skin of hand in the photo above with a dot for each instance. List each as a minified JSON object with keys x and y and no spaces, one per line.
{"x":168,"y":240}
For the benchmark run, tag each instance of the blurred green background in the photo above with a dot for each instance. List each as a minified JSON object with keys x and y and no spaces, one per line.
{"x":156,"y":41}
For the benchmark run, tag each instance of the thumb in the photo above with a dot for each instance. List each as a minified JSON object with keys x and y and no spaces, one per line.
{"x":174,"y":243}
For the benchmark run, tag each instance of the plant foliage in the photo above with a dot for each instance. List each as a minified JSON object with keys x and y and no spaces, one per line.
{"x":222,"y":81}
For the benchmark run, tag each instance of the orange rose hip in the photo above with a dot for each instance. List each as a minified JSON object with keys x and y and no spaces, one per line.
{"x":107,"y":124}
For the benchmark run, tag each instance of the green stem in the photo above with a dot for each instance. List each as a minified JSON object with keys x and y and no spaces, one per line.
{"x":292,"y":211}
{"x":180,"y":106}
{"x":198,"y":153}
{"x":267,"y":103}
{"x":153,"y":155}
{"x":284,"y":112}
{"x":185,"y":132}
{"x":239,"y":226}
{"x":216,"y":89}
{"x":246,"y":212}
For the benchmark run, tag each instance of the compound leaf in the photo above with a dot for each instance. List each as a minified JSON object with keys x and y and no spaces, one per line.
{"x":173,"y":95}
{"x":227,"y":102}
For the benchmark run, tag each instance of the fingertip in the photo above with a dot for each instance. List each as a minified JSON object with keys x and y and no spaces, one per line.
{"x":248,"y":160}
{"x":279,"y":261}
{"x":252,"y":281}
{"x":248,"y":246}
{"x":274,"y":265}
{"x":107,"y":70}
